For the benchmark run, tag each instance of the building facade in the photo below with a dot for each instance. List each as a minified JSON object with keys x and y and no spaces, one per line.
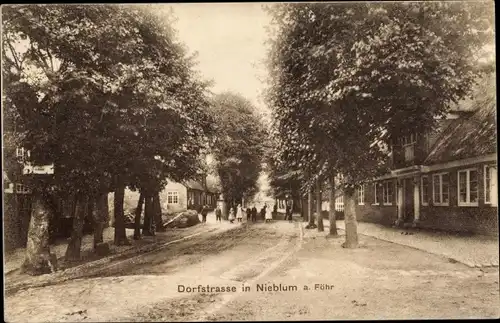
{"x":16,"y":213}
{"x":193,"y":194}
{"x":445,"y":179}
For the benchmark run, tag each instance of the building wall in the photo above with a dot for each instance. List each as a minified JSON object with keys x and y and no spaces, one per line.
{"x":481,"y":219}
{"x":10,"y":223}
{"x":16,"y":217}
{"x":200,"y":198}
{"x":383,"y":214}
{"x":182,"y":193}
{"x":212,"y":201}
{"x":132,"y":197}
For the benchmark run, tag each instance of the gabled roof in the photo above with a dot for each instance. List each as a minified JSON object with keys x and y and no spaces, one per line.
{"x":471,"y":135}
{"x":194,"y":185}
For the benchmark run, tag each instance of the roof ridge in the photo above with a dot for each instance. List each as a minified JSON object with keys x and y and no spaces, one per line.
{"x":438,"y":140}
{"x":468,"y":135}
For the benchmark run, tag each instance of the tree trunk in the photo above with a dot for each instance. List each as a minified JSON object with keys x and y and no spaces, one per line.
{"x":100,"y":217}
{"x":75,"y":242}
{"x":303,"y":210}
{"x":227,"y":210}
{"x":148,"y":216}
{"x":157,"y":213}
{"x":332,"y":216}
{"x":351,"y":224}
{"x":310,"y":207}
{"x":89,"y":215}
{"x":137,"y":218}
{"x":37,"y":248}
{"x":105,"y":209}
{"x":120,"y":232}
{"x":319,"y":201}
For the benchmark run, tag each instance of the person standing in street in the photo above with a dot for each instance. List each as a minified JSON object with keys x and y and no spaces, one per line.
{"x":204,"y":212}
{"x":239,"y":213}
{"x":254,"y":214}
{"x":232,"y":212}
{"x":263,"y":212}
{"x":249,"y":214}
{"x":289,"y":209}
{"x":269,"y":214}
{"x":218,"y":214}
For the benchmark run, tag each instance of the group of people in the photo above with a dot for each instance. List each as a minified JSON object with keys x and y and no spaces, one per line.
{"x":236,"y":213}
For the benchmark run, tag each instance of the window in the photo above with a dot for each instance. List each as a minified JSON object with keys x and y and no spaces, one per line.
{"x":375,"y":197}
{"x":339,"y":204}
{"x":467,"y":187}
{"x":490,"y":185}
{"x":173,"y":197}
{"x":408,"y":143}
{"x":424,"y":190}
{"x":440,"y":185}
{"x":22,"y":153}
{"x":361,"y":194}
{"x":408,"y":139}
{"x":22,"y":189}
{"x":387,"y":193}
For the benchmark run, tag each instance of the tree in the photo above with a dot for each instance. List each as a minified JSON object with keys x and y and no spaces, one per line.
{"x":128,"y":112}
{"x":137,"y":217}
{"x":350,"y":77}
{"x":237,"y":147}
{"x":283,"y":179}
{"x":332,"y":217}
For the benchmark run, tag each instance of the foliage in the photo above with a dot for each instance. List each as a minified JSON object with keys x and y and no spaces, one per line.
{"x":130,"y":106}
{"x":282,"y":178}
{"x":238,"y":145}
{"x":345,"y":79}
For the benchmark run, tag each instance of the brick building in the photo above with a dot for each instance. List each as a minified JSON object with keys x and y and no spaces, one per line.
{"x":445,"y":179}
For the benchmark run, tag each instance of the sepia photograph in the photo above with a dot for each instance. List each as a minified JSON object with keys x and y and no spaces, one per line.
{"x":253,"y":161}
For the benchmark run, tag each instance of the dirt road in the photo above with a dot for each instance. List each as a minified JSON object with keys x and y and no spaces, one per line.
{"x":264,"y":270}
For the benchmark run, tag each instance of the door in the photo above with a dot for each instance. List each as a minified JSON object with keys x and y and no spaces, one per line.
{"x":408,"y":202}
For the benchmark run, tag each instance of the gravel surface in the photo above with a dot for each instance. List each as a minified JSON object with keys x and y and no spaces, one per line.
{"x":379,"y":280}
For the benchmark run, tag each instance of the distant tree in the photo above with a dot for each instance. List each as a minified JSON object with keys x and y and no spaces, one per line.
{"x":348,"y":78}
{"x":237,"y":146}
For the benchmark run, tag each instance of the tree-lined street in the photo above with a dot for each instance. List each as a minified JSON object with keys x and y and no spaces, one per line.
{"x":102,"y":102}
{"x":372,"y":281}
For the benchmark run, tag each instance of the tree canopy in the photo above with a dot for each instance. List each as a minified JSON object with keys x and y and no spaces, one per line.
{"x":238,"y":145}
{"x":130,"y":106}
{"x":347,"y":78}
{"x":108,"y":95}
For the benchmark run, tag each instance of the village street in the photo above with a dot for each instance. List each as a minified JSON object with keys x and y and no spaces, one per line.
{"x":379,"y":280}
{"x":130,"y":128}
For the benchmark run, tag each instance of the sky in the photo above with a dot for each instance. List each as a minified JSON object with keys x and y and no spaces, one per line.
{"x":230,"y":41}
